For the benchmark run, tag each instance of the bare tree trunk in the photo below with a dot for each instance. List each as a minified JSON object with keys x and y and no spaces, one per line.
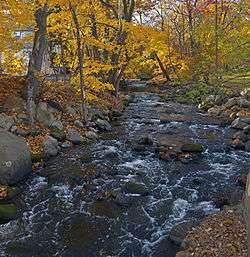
{"x":163,"y":69}
{"x":216,"y":39}
{"x":36,"y":61}
{"x":80,"y":51}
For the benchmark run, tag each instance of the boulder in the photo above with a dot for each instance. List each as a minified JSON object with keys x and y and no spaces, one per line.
{"x":50,"y":146}
{"x":238,"y":124}
{"x":192,"y":148}
{"x":103,"y":125}
{"x":15,"y":160}
{"x":238,"y":144}
{"x":44,"y":115}
{"x":74,"y":136}
{"x":231,"y":102}
{"x":14,"y":104}
{"x":135,"y":188}
{"x":6,"y":122}
{"x":246,"y":129}
{"x":178,"y":233}
{"x":244,"y":103}
{"x":7,"y":212}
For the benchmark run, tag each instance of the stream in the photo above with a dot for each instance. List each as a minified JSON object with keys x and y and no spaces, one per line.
{"x":76,"y":205}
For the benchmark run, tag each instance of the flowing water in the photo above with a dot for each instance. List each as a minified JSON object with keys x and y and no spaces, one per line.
{"x":75,"y":206}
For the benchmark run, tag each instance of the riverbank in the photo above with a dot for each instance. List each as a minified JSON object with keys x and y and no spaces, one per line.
{"x":163,"y":163}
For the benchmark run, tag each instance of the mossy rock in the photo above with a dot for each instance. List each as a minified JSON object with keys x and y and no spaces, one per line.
{"x":135,"y":188}
{"x":7,"y":212}
{"x":192,"y":148}
{"x":35,"y":133}
{"x":38,"y":157}
{"x":58,"y":134}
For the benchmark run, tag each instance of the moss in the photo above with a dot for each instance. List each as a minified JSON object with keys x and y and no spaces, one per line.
{"x":58,"y":134}
{"x":193,"y":148}
{"x":8,"y":212}
{"x":38,"y":157}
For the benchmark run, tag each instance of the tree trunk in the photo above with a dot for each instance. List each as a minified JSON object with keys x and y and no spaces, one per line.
{"x":163,"y":69}
{"x":36,"y":60}
{"x":80,"y":52}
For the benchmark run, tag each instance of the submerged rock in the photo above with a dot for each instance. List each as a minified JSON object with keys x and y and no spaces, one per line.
{"x":135,"y":188}
{"x":192,"y":147}
{"x":7,"y":212}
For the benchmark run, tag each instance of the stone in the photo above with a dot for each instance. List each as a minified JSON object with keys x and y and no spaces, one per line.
{"x":6,"y":122}
{"x":240,"y":135}
{"x":14,"y":104}
{"x":135,"y":188}
{"x":192,"y":147}
{"x":55,"y":106}
{"x":244,"y":103}
{"x":57,"y":124}
{"x":231,"y":102}
{"x":145,"y":140}
{"x":178,"y":233}
{"x":70,"y":110}
{"x":44,"y":115}
{"x":78,"y":124}
{"x":238,"y":144}
{"x":103,"y":125}
{"x":238,"y":124}
{"x":66,"y":145}
{"x":50,"y":146}
{"x":58,"y":134}
{"x":98,"y":114}
{"x":246,"y":129}
{"x":7,"y":212}
{"x":91,"y":135}
{"x":15,"y":160}
{"x":74,"y":136}
{"x":22,"y":132}
{"x":247,"y":146}
{"x":246,"y":93}
{"x":214,"y":111}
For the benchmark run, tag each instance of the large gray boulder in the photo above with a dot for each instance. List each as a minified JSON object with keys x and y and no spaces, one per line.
{"x":15,"y":161}
{"x":6,"y":122}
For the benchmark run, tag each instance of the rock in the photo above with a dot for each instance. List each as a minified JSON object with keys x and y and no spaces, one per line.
{"x":192,"y":148}
{"x":44,"y":115}
{"x":238,"y":144}
{"x":178,"y":233}
{"x":78,"y":124}
{"x":183,"y":254}
{"x":214,"y":111}
{"x":7,"y":212}
{"x":57,"y":124}
{"x":91,"y":135}
{"x":246,"y":120}
{"x":22,"y":132}
{"x":98,"y":114}
{"x":6,"y":122}
{"x":15,"y":161}
{"x":145,"y":140}
{"x":138,"y":148}
{"x":246,"y":129}
{"x":56,"y":106}
{"x":66,"y":145}
{"x":74,"y":136}
{"x":231,"y":102}
{"x":103,"y":125}
{"x":50,"y":146}
{"x":58,"y":134}
{"x":238,"y":124}
{"x":242,"y":180}
{"x":246,"y":93}
{"x":14,"y":104}
{"x":70,"y":110}
{"x":247,"y":146}
{"x":240,"y":135}
{"x":135,"y":188}
{"x":244,"y":103}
